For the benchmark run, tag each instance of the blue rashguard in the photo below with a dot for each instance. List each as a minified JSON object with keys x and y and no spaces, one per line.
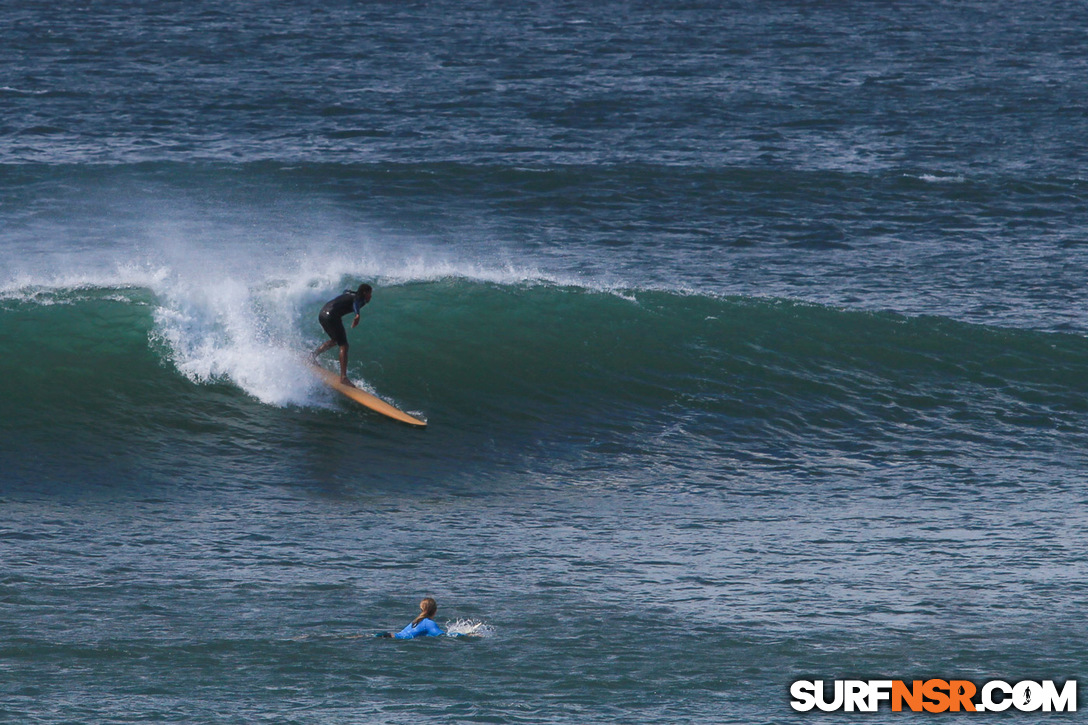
{"x":426,"y":628}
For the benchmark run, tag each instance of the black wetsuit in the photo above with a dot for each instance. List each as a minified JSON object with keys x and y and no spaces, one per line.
{"x":336,"y":308}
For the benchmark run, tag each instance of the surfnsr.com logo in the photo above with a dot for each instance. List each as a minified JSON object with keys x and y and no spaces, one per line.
{"x":935,"y":696}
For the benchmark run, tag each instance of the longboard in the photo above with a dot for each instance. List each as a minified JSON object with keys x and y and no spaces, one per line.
{"x":364,"y":398}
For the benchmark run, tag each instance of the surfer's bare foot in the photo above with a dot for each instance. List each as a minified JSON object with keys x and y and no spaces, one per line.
{"x":345,"y":381}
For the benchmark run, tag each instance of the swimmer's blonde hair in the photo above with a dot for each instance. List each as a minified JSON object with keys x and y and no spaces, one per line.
{"x":427,"y":608}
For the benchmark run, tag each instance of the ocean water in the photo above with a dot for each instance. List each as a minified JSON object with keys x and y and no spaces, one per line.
{"x":751,"y":336}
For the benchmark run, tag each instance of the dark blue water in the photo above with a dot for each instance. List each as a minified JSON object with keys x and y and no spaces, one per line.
{"x":750,"y":336}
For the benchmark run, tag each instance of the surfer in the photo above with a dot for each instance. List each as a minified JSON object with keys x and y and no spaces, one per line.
{"x":330,"y":321}
{"x":421,"y":626}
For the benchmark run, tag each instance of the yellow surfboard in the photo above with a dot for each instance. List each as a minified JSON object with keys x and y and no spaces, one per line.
{"x":364,"y":398}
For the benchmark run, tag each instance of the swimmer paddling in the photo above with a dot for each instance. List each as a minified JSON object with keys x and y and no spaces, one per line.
{"x":422,"y":626}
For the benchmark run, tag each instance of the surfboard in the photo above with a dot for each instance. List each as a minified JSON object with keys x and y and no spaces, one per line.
{"x":364,"y":398}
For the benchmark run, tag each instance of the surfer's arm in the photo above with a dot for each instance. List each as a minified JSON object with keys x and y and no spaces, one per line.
{"x":356,"y":305}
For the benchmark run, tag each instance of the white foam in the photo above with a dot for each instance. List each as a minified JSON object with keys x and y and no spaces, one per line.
{"x":225,"y":329}
{"x":22,"y":91}
{"x":935,"y":179}
{"x":469,"y":628}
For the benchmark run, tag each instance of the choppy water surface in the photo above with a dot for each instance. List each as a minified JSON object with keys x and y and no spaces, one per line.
{"x":751,"y":337}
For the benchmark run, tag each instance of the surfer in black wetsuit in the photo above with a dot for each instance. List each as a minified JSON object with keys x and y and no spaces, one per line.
{"x":330,"y":321}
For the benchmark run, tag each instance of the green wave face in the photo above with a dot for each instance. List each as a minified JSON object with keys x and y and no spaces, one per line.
{"x":538,"y":375}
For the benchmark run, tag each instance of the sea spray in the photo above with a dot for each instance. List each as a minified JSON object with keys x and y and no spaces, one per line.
{"x":470,"y":628}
